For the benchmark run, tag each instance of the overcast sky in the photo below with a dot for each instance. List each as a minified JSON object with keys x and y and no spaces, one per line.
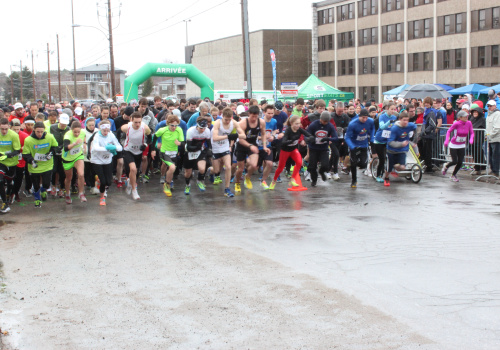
{"x":146,"y":30}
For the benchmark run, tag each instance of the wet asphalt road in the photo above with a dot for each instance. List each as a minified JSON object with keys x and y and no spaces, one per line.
{"x":424,"y":256}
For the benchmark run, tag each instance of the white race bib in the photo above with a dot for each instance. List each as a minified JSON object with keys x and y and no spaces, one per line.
{"x":105,"y":156}
{"x":361,"y":138}
{"x":171,"y":154}
{"x":340,"y":132}
{"x":40,"y":157}
{"x":460,"y":139}
{"x":386,"y":133}
{"x":193,"y":155}
{"x":75,"y":150}
{"x":134,"y":147}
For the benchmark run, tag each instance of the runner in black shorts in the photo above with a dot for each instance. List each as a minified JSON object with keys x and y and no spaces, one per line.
{"x":198,"y":147}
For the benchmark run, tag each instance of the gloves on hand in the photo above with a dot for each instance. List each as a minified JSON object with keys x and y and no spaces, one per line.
{"x":310,"y":139}
{"x":143,"y":147}
{"x":110,"y":147}
{"x":34,"y":164}
{"x":2,"y":158}
{"x":325,"y":139}
{"x":49,"y":156}
{"x":232,"y":137}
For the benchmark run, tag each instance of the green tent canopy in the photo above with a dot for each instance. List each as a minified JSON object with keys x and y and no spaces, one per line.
{"x":314,"y":88}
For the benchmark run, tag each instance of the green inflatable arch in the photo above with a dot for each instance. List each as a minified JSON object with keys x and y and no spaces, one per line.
{"x":168,"y":70}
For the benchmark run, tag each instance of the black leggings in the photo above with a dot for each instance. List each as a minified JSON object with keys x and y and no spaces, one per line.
{"x":5,"y":181}
{"x":46,"y":177}
{"x":89,"y":174}
{"x":105,"y":174}
{"x":58,"y":169}
{"x":18,"y":180}
{"x":457,"y":158}
{"x":335,"y":156}
{"x":359,"y":158}
{"x":316,"y":156}
{"x":380,"y":150}
{"x":27,"y":179}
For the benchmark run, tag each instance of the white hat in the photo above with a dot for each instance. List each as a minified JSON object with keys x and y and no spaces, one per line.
{"x":64,"y":119}
{"x":466,"y":106}
{"x":491,"y":103}
{"x":240,"y":109}
{"x":109,"y":100}
{"x":176,"y":112}
{"x":78,"y":110}
{"x":18,"y":105}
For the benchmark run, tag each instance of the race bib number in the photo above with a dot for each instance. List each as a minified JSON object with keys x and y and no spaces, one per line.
{"x":75,"y":150}
{"x":134,"y":147}
{"x":361,"y":138}
{"x":40,"y":157}
{"x":461,"y":139}
{"x":386,"y":134}
{"x":340,"y":132}
{"x":221,"y":142}
{"x":193,"y":155}
{"x":171,"y":154}
{"x":105,"y":156}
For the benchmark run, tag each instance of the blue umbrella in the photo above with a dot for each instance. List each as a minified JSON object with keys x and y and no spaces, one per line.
{"x":495,"y":87}
{"x":396,"y":91}
{"x":472,"y":89}
{"x":446,"y":87}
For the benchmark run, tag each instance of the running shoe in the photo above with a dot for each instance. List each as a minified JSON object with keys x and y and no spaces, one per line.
{"x":4,"y":209}
{"x":27,"y":193}
{"x":323,"y":176}
{"x":232,"y":179}
{"x":201,"y":186}
{"x":156,"y":171}
{"x":135,"y":195}
{"x":44,"y":196}
{"x":162,"y":180}
{"x":379,"y":179}
{"x":68,"y":200}
{"x":328,"y":176}
{"x":211,"y":176}
{"x":454,"y":178}
{"x":394,"y":174}
{"x":445,"y":169}
{"x":264,"y":185}
{"x":272,"y":185}
{"x":74,"y":189}
{"x":187,"y":190}
{"x":335,"y":177}
{"x":166,"y":190}
{"x":293,"y":183}
{"x":228,"y":193}
{"x":248,"y":183}
{"x":145,"y":179}
{"x":302,"y":170}
{"x":102,"y":201}
{"x":279,"y":179}
{"x":94,"y":190}
{"x":119,"y":184}
{"x":345,"y":171}
{"x":354,"y":185}
{"x":83,"y":198}
{"x":217,"y":180}
{"x":307,"y":176}
{"x":313,"y":183}
{"x":53,"y":191}
{"x":237,"y":187}
{"x":289,"y":173}
{"x":129,"y":188}
{"x":38,"y":204}
{"x":61,"y":193}
{"x":387,"y":182}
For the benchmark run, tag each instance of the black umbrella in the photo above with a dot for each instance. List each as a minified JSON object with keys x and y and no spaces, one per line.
{"x":423,"y":90}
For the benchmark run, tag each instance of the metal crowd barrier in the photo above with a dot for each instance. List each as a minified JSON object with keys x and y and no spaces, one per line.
{"x":476,"y":155}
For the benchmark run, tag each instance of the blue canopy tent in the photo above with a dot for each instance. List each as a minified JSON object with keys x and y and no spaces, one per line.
{"x":473,"y":89}
{"x":396,"y":91}
{"x":495,"y":87}
{"x":446,"y":87}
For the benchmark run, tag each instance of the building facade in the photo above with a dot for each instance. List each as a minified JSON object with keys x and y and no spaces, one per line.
{"x":222,"y":60}
{"x":371,"y":46}
{"x":171,"y":87}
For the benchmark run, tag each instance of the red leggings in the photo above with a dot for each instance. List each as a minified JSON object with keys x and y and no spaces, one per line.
{"x":296,"y":157}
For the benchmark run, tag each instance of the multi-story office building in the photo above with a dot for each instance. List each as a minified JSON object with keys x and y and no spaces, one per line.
{"x":371,"y":46}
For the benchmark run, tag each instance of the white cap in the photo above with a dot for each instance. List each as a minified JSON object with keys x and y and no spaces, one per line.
{"x":176,"y":112}
{"x":491,"y":103}
{"x":18,"y":105}
{"x":64,"y":119}
{"x":109,"y":100}
{"x":240,"y":109}
{"x":466,"y":106}
{"x":78,"y":110}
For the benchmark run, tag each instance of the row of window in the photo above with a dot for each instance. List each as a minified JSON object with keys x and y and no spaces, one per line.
{"x":365,"y":8}
{"x":484,"y":56}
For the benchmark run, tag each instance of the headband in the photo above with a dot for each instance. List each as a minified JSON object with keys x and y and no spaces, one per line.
{"x":105,"y":126}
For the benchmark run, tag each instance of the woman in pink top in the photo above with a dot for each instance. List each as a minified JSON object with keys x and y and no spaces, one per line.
{"x":456,"y":138}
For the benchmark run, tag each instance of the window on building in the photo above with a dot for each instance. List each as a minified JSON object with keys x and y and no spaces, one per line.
{"x":398,"y":63}
{"x":365,"y":65}
{"x":373,"y":8}
{"x":398,"y":4}
{"x":351,"y":67}
{"x":494,"y":55}
{"x":482,"y":19}
{"x":446,"y":59}
{"x":427,"y":27}
{"x":365,"y":37}
{"x":342,"y":40}
{"x":374,"y":35}
{"x":343,"y":12}
{"x":351,"y":38}
{"x":388,"y":65}
{"x":416,"y":2}
{"x":330,"y":15}
{"x":364,"y":7}
{"x":458,"y":58}
{"x":351,"y":11}
{"x":496,"y":17}
{"x":416,"y":29}
{"x":447,"y":24}
{"x":330,"y":42}
{"x":399,"y":35}
{"x":458,"y":22}
{"x":320,"y":18}
{"x":388,"y":5}
{"x":342,"y":67}
{"x":388,"y":33}
{"x":415,"y":62}
{"x":374,"y":65}
{"x":427,"y":1}
{"x":427,"y":61}
{"x":481,"y":56}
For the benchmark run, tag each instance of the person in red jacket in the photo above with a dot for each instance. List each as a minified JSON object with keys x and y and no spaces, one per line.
{"x":19,"y":113}
{"x":15,"y":125}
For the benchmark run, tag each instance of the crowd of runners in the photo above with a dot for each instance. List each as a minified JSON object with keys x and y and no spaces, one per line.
{"x":67,"y":148}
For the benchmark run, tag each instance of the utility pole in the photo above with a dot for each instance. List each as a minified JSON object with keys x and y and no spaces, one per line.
{"x":48,"y":71}
{"x":74,"y":55}
{"x":186,"y":21}
{"x":21,"y":70}
{"x":247,"y":71}
{"x":58,"y":69}
{"x":111,"y":55}
{"x":11,"y":87}
{"x":33,"y":75}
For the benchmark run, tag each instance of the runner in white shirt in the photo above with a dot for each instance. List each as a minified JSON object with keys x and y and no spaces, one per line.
{"x":198,"y":148}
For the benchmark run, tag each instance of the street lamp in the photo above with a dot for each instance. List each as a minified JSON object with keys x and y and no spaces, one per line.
{"x":111,"y":55}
